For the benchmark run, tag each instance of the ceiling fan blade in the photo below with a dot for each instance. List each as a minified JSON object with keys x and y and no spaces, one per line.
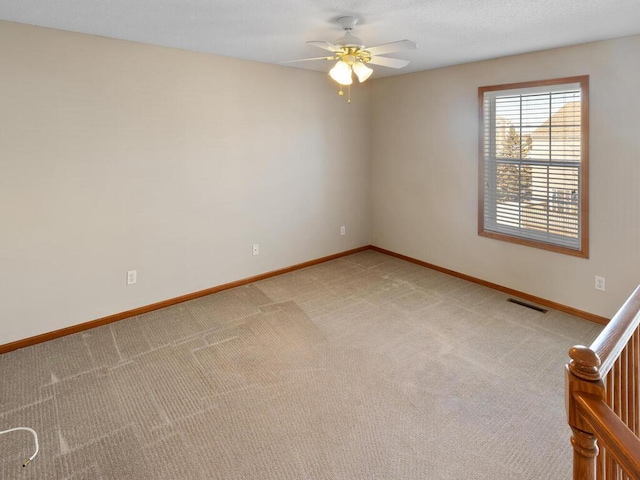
{"x":392,"y":47}
{"x":309,"y":59}
{"x":389,"y":62}
{"x":325,"y":45}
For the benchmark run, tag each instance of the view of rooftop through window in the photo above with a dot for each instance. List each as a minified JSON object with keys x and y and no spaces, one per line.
{"x":538,"y":155}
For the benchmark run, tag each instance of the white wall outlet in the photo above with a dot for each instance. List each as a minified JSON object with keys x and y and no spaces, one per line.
{"x":343,"y":230}
{"x":599,"y":283}
{"x":132,"y":277}
{"x":256,"y":249}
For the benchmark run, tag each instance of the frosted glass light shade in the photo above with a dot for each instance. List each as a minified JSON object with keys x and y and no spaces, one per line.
{"x":362,"y":71}
{"x":341,"y":73}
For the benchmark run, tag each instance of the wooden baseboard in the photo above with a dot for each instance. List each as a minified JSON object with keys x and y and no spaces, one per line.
{"x":510,"y":291}
{"x":7,"y":347}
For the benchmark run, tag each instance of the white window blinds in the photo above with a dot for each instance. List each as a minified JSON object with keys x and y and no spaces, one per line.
{"x":533,"y":163}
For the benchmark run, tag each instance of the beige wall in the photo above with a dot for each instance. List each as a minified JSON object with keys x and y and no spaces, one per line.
{"x":117,"y":156}
{"x":425,"y":163}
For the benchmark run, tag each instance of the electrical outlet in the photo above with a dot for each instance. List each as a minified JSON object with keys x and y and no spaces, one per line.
{"x":132,"y":277}
{"x":256,"y":249}
{"x":599,"y":283}
{"x":343,"y":230}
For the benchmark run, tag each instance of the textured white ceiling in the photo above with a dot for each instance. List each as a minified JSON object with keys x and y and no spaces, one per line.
{"x":447,"y":32}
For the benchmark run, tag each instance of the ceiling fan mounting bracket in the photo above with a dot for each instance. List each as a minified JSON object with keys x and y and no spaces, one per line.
{"x":348,"y":23}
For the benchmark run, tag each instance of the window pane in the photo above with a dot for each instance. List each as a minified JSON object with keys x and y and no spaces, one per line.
{"x":532,"y":137}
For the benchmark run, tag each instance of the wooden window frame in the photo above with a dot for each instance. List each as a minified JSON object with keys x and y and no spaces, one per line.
{"x":583,"y":250}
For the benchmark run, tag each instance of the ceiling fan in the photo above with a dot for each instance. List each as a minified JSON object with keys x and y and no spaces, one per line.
{"x":352,"y":56}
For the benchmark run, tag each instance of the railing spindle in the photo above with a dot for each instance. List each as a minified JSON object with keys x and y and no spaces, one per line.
{"x":624,"y":383}
{"x":632,"y":384}
{"x":618,"y":388}
{"x":636,"y":380}
{"x":610,"y":388}
{"x":611,"y":468}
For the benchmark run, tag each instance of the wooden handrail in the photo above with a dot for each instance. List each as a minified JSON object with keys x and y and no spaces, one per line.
{"x":616,"y":334}
{"x":603,"y":399}
{"x":621,"y":443}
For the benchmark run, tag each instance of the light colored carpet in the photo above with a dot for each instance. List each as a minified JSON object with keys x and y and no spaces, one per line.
{"x":365,"y":367}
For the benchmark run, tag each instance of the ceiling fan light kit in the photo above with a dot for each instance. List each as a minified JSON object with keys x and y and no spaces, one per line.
{"x":362,"y":71}
{"x":352,"y":55}
{"x":341,"y":73}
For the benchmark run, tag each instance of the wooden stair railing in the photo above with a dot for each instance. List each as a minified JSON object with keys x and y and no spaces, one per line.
{"x":603,"y":399}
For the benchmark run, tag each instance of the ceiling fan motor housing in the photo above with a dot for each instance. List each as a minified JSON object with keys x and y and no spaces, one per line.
{"x":348,"y":40}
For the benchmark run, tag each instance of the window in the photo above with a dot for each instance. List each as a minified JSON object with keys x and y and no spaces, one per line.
{"x":534,"y":164}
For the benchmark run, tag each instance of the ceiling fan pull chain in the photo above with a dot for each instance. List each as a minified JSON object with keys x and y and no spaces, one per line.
{"x":349,"y":94}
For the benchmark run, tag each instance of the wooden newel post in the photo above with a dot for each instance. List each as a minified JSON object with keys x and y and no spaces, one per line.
{"x":582,"y":376}
{"x":585,"y":451}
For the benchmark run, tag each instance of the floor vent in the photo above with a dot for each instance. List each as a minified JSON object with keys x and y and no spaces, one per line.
{"x":528,"y":305}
